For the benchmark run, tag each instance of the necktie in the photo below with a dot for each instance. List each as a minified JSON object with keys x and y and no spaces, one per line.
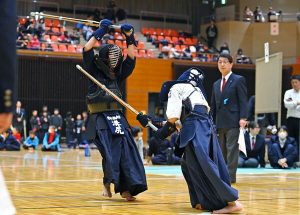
{"x":223,"y":84}
{"x":253,"y":143}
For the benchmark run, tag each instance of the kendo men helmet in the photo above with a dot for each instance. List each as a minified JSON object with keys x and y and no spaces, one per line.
{"x":109,"y":60}
{"x":193,"y":76}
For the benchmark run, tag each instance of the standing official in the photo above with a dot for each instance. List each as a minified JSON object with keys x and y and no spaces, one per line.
{"x":229,"y":109}
{"x":292,"y":104}
{"x":7,"y":83}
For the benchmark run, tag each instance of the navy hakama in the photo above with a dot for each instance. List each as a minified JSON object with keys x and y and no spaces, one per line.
{"x":203,"y":165}
{"x":122,"y":164}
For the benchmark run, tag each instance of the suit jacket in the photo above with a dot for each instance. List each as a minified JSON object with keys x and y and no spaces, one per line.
{"x":259,"y":149}
{"x":8,"y":63}
{"x":229,"y":106}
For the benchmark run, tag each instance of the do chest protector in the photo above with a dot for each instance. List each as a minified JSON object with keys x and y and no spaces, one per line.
{"x":100,"y":101}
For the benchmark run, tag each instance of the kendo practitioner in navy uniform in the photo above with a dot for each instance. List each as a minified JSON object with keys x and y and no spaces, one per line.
{"x":203,"y":165}
{"x":8,"y":80}
{"x":122,"y":165}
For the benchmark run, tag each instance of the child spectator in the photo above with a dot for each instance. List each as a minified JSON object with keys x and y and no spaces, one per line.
{"x":17,"y":134}
{"x":70,"y":125}
{"x":9,"y":142}
{"x":78,"y":130}
{"x":56,"y":120}
{"x":51,"y":140}
{"x":282,"y":150}
{"x":137,"y":134}
{"x":31,"y":142}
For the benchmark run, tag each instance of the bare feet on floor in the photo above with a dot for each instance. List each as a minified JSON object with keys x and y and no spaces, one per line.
{"x":126,"y":195}
{"x":230,"y":208}
{"x":198,"y":207}
{"x":106,"y":191}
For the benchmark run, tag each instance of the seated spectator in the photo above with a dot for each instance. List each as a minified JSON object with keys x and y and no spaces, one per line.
{"x":272,"y":15}
{"x":8,"y":142}
{"x":255,"y":147}
{"x":34,"y":43}
{"x":161,"y":152}
{"x":258,"y":15}
{"x":51,"y":140}
{"x":31,"y":142}
{"x":164,"y":54}
{"x":248,"y":14}
{"x":137,"y":134}
{"x":187,"y":54}
{"x":241,"y":58}
{"x":282,"y":150}
{"x":17,"y":134}
{"x":224,"y":49}
{"x":64,"y":38}
{"x":75,"y":36}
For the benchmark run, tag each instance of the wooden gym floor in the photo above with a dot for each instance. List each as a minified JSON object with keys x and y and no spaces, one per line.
{"x":69,"y":183}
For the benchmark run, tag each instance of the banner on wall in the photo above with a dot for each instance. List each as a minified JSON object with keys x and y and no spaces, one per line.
{"x":274,"y":27}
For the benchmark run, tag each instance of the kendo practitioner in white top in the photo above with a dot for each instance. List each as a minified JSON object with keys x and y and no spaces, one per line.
{"x":203,"y":165}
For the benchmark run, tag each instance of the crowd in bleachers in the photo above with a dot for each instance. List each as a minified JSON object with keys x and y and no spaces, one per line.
{"x":46,"y":35}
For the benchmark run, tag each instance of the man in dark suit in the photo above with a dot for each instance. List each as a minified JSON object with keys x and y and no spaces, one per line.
{"x":8,"y":64}
{"x":229,"y":110}
{"x":255,"y":146}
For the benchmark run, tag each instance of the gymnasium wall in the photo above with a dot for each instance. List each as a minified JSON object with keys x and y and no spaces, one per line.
{"x":46,"y":78}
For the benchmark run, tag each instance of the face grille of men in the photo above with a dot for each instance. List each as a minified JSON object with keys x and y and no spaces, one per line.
{"x":114,"y":56}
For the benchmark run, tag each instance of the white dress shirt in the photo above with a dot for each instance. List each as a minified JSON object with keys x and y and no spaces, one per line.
{"x":226,"y":79}
{"x":178,"y":93}
{"x":291,"y":97}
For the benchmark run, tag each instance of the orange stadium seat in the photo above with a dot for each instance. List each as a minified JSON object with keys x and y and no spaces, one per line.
{"x":22,"y":21}
{"x":141,"y":45}
{"x":55,"y":29}
{"x":54,"y":47}
{"x":54,"y":38}
{"x":56,"y":23}
{"x":71,"y":48}
{"x":175,"y":40}
{"x":62,"y":48}
{"x":48,"y":23}
{"x":79,"y":49}
{"x":142,"y":53}
{"x":150,"y":53}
